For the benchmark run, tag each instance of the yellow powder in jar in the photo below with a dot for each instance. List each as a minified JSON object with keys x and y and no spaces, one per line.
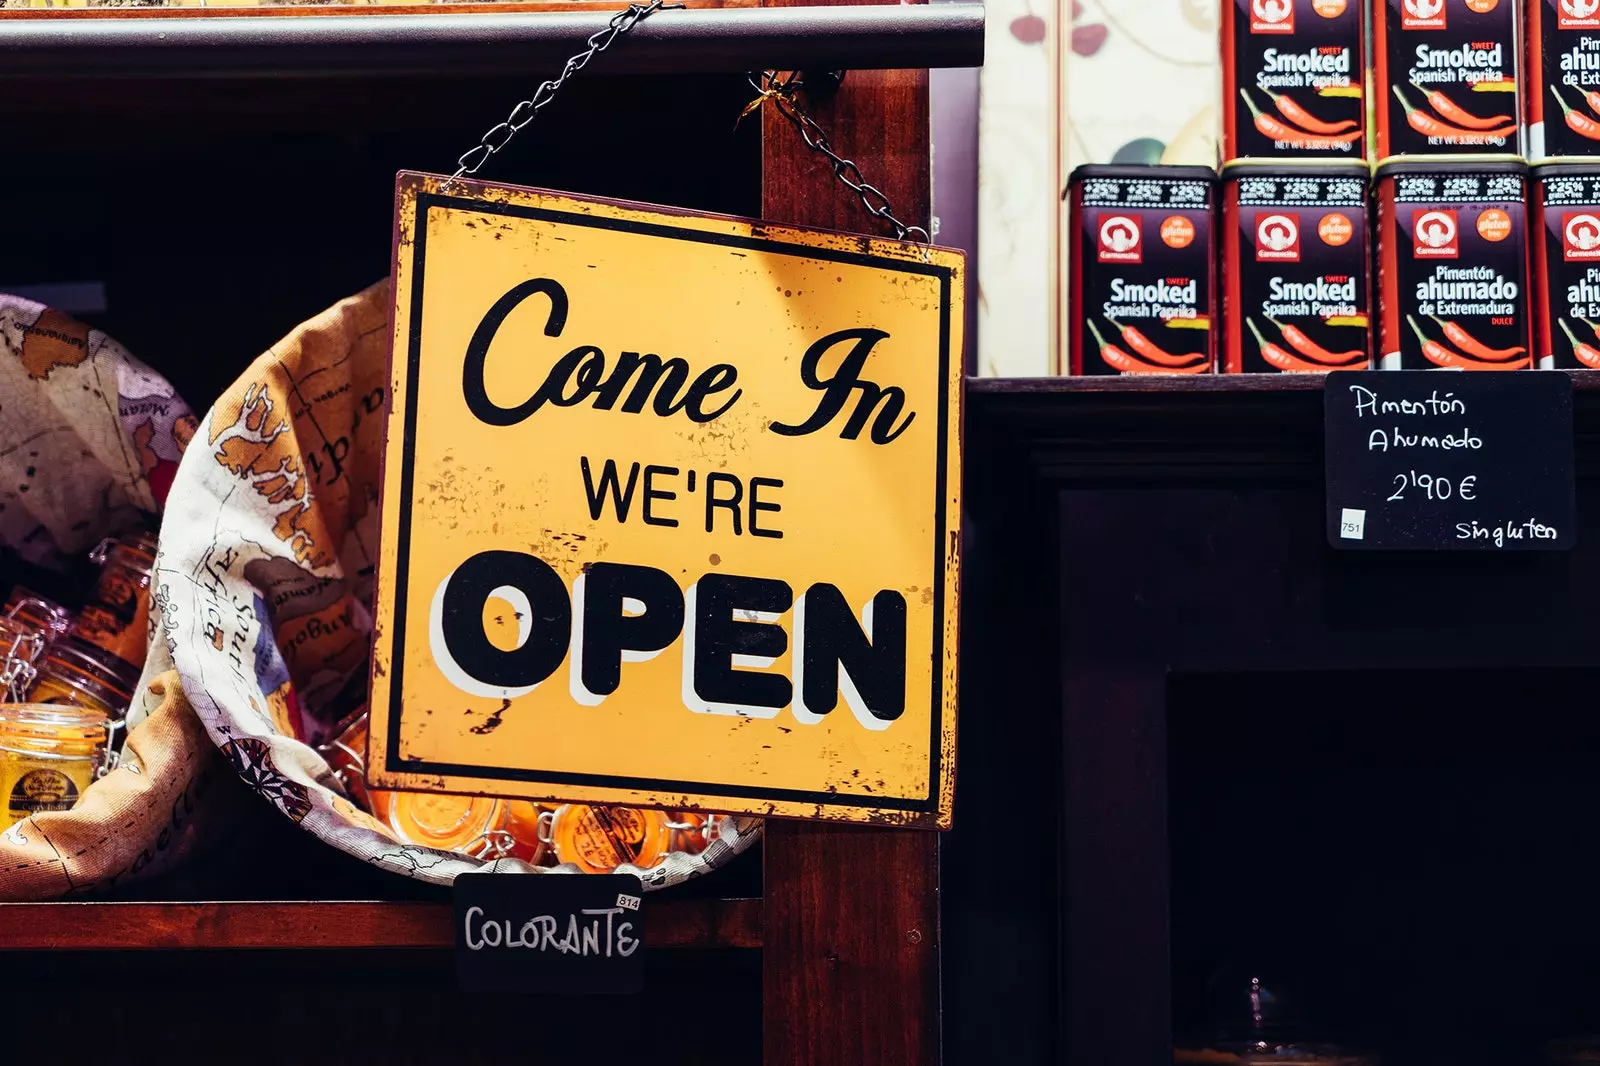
{"x":49,"y":756}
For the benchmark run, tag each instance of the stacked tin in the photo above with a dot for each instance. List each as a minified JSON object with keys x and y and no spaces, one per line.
{"x":1426,"y":242}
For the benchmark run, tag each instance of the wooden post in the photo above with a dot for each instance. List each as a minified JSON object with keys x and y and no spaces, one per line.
{"x":851,"y":943}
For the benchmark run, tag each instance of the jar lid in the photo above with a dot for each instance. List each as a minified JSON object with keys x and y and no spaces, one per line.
{"x":78,"y":659}
{"x":29,"y":607}
{"x":435,"y":820}
{"x":599,"y":839}
{"x":78,"y":730}
{"x":140,"y":545}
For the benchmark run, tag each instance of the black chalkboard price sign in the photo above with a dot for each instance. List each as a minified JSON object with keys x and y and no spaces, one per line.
{"x":1449,"y":461}
{"x":549,"y":933}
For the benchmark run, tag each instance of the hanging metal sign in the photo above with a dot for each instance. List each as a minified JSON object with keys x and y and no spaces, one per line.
{"x":671,"y":510}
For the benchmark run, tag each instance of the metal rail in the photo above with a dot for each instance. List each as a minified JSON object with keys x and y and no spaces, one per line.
{"x":697,"y":40}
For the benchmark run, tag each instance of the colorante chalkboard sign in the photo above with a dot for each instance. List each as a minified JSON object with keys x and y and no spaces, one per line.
{"x":549,"y":933}
{"x":1434,"y":460}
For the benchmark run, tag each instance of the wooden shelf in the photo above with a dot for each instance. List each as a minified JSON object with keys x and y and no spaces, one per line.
{"x":1254,"y":428}
{"x":712,"y":923}
{"x":457,"y":41}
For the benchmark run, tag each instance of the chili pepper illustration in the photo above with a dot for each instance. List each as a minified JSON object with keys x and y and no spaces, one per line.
{"x":1149,"y":350}
{"x":1474,"y":364}
{"x":1577,"y":121}
{"x":1116,"y":356}
{"x":1592,"y":98}
{"x":1439,"y":354}
{"x":1118,"y":359}
{"x":1299,"y":115}
{"x":1458,"y":114}
{"x":1587,"y":354}
{"x":1311,"y":349}
{"x":1591,"y":325}
{"x":1429,"y":126}
{"x":1282,"y":131}
{"x":1280,"y":357}
{"x":1474,"y":348}
{"x":1436,"y":352}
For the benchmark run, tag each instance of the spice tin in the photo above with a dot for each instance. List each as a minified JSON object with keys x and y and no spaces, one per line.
{"x":1141,"y":257}
{"x":1294,"y":274}
{"x":1292,"y":79}
{"x":1446,"y":76}
{"x":49,"y":756}
{"x":1564,"y":228}
{"x":1452,"y":264}
{"x":1563,"y":77}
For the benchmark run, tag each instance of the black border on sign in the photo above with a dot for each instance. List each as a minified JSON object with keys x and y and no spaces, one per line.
{"x":425,"y":201}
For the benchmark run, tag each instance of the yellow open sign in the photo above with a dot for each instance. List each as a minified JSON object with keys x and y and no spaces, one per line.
{"x":671,"y":510}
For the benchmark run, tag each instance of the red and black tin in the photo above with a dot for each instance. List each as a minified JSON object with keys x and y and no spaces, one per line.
{"x":1292,"y":79}
{"x":1446,"y":77}
{"x":1141,"y":254}
{"x":1563,"y":75}
{"x":1564,"y":228}
{"x":1452,"y":264}
{"x":1295,"y":295}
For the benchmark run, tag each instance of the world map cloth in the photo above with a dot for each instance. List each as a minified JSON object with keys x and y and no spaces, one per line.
{"x":265,"y":580}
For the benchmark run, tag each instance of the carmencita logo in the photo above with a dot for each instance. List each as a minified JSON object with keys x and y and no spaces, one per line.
{"x":1271,"y":16}
{"x":1580,"y":236}
{"x":1278,"y":238}
{"x":1433,"y":234}
{"x":1423,"y":14}
{"x":1120,"y":240}
{"x":1578,"y":14}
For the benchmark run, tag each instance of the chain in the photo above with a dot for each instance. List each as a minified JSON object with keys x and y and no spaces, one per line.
{"x":498,"y":136}
{"x":782,"y":90}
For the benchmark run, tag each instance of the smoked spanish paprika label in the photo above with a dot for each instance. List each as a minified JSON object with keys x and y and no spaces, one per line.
{"x":1294,"y":268}
{"x":1141,"y":257}
{"x":1452,"y":264}
{"x":1563,"y":77}
{"x":670,"y":512}
{"x":1447,"y":77}
{"x":1292,"y":75}
{"x":1564,"y":225}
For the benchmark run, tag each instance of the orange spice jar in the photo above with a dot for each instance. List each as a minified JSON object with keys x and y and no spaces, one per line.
{"x":118,"y":619}
{"x":523,"y":821}
{"x":30,"y":608}
{"x":20,"y":647}
{"x":49,"y":756}
{"x":599,"y":839}
{"x":85,"y":676}
{"x":471,"y":825}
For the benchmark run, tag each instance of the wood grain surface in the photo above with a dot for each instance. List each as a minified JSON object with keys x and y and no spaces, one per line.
{"x":708,"y":923}
{"x":337,"y":9}
{"x":851,"y":936}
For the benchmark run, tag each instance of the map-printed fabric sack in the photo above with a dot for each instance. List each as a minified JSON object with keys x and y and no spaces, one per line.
{"x":89,"y":436}
{"x":265,"y":579}
{"x":170,"y":795}
{"x":89,"y":441}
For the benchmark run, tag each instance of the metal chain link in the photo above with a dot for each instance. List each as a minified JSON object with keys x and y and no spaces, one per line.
{"x":769,"y":84}
{"x":781,"y":90}
{"x":498,"y":136}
